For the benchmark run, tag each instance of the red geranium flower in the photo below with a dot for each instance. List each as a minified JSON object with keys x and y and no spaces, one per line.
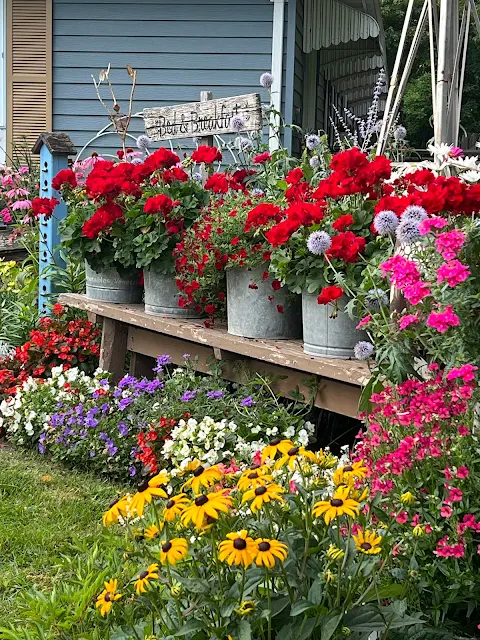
{"x":329,"y":294}
{"x":207,"y":155}
{"x":262,"y":158}
{"x":44,"y":206}
{"x":343,"y":222}
{"x":159,"y":204}
{"x":65,"y":176}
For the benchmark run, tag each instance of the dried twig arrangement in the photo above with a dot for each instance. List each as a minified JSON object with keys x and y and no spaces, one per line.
{"x":120,"y":121}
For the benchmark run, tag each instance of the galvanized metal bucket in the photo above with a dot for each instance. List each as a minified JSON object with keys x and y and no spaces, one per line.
{"x":323,"y":335}
{"x":261,"y":312}
{"x":162,"y":295}
{"x":108,"y":285}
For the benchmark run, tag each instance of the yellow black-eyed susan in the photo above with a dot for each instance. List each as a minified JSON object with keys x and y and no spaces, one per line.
{"x":246,"y":607}
{"x":338,"y":505}
{"x":275,"y":446}
{"x":155,"y":487}
{"x":368,"y":542}
{"x":143,"y":580}
{"x":151,"y":532}
{"x":268,"y":551}
{"x":254,"y":477}
{"x":335,"y":553}
{"x":356,"y":469}
{"x":108,"y":596}
{"x":290,"y":457}
{"x":175,"y":507}
{"x":262,"y":495}
{"x":206,"y":505}
{"x":203,"y":477}
{"x":118,"y":508}
{"x":174,"y":550}
{"x":239,"y":549}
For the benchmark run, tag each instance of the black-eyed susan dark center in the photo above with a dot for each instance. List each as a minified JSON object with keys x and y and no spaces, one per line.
{"x":143,"y":575}
{"x":255,"y":466}
{"x":170,"y":504}
{"x":239,"y":544}
{"x":259,"y":491}
{"x":107,"y":597}
{"x":293,"y":451}
{"x":336,"y":502}
{"x":200,"y":501}
{"x":198,"y":471}
{"x":366,"y":546}
{"x":348,"y":468}
{"x":253,"y":476}
{"x":166,"y":547}
{"x":264,"y":546}
{"x":143,"y":486}
{"x":275,"y":442}
{"x":210,"y":520}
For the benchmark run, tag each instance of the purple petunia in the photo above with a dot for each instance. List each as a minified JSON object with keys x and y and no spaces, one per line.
{"x":124,"y":402}
{"x":105,"y":408}
{"x":91,"y":422}
{"x":214,"y":395}
{"x":102,"y":436}
{"x":92,"y":454}
{"x":248,"y":402}
{"x":122,"y":428}
{"x":189,"y":395}
{"x":132,"y":471}
{"x":162,"y":361}
{"x":126,"y":381}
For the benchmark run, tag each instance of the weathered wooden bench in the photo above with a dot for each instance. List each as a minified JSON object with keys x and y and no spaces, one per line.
{"x":333,"y":384}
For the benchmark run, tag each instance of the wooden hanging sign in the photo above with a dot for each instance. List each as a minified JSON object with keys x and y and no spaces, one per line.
{"x":199,"y":119}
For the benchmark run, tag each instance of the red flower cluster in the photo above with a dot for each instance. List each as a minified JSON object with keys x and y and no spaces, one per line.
{"x":435,"y":194}
{"x":353,"y":172}
{"x":261,"y":215}
{"x":208,"y":155}
{"x":44,"y":206}
{"x":69,"y":343}
{"x":346,"y":246}
{"x":159,"y":204}
{"x":107,"y":180}
{"x":102,"y":219}
{"x":222,"y":182}
{"x":262,"y":158}
{"x":65,"y":176}
{"x":329,"y":294}
{"x":298,"y":214}
{"x":145,"y":443}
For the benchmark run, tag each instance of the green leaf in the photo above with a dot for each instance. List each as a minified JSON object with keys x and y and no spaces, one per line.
{"x":315,"y":593}
{"x":385,"y":592}
{"x":244,"y":630}
{"x":330,"y":624}
{"x":190,"y":627}
{"x":300,"y":607}
{"x":279,"y":604}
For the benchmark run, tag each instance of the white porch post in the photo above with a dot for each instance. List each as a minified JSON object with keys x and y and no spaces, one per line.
{"x":277,"y":69}
{"x":3,"y":84}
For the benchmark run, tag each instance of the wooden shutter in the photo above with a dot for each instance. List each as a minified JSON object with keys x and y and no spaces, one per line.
{"x":29,"y":70}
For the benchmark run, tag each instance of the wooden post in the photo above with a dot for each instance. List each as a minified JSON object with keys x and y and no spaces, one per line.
{"x":113,"y":349}
{"x":54,"y":149}
{"x":447,"y":45}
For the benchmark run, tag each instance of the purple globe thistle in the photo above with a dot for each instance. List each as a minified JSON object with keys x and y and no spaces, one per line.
{"x":385,"y":223}
{"x":266,"y":80}
{"x":414,"y":213}
{"x":312,"y":141}
{"x":257,"y":192}
{"x":243,"y":144}
{"x":363,"y":350}
{"x":400,"y":133}
{"x":375,"y":299}
{"x":408,"y":232}
{"x":319,"y":242}
{"x":238,"y":122}
{"x":143,"y":142}
{"x":314,"y":162}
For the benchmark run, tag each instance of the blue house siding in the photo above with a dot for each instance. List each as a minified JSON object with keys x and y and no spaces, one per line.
{"x":177,"y":48}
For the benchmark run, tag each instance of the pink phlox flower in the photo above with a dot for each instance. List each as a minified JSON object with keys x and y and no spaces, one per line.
{"x":402,"y":272}
{"x":292,"y":487}
{"x":455,"y":152}
{"x":455,"y":495}
{"x":469,"y":520}
{"x":445,"y":550}
{"x":21,"y":204}
{"x":447,"y":473}
{"x":448,"y":244}
{"x":402,"y":517}
{"x":462,"y":473}
{"x":416,"y":292}
{"x":427,"y":225}
{"x":463,"y":430}
{"x":446,"y":511}
{"x":443,"y":320}
{"x":453,"y":272}
{"x":7,"y":181}
{"x":257,"y":458}
{"x":466,"y":372}
{"x":406,"y":321}
{"x":363,"y":322}
{"x":428,"y":528}
{"x":415,"y":520}
{"x":23,"y":170}
{"x":6,"y":215}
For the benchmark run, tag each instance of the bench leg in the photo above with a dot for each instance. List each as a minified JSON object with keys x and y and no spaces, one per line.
{"x":141,"y":366}
{"x":113,"y":348}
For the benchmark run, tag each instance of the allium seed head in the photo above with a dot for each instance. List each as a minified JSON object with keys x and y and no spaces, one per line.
{"x":312,"y":141}
{"x":408,"y":232}
{"x":319,"y":242}
{"x":375,"y":299}
{"x":144,"y":142}
{"x":385,"y":223}
{"x":414,"y":213}
{"x":363,"y":350}
{"x":400,"y":133}
{"x":314,"y":162}
{"x":237,"y":122}
{"x":266,"y":80}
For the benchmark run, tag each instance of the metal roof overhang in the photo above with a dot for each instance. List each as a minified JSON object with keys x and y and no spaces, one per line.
{"x":349,"y":36}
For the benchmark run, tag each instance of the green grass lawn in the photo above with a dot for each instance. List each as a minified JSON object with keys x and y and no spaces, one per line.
{"x":43,"y":507}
